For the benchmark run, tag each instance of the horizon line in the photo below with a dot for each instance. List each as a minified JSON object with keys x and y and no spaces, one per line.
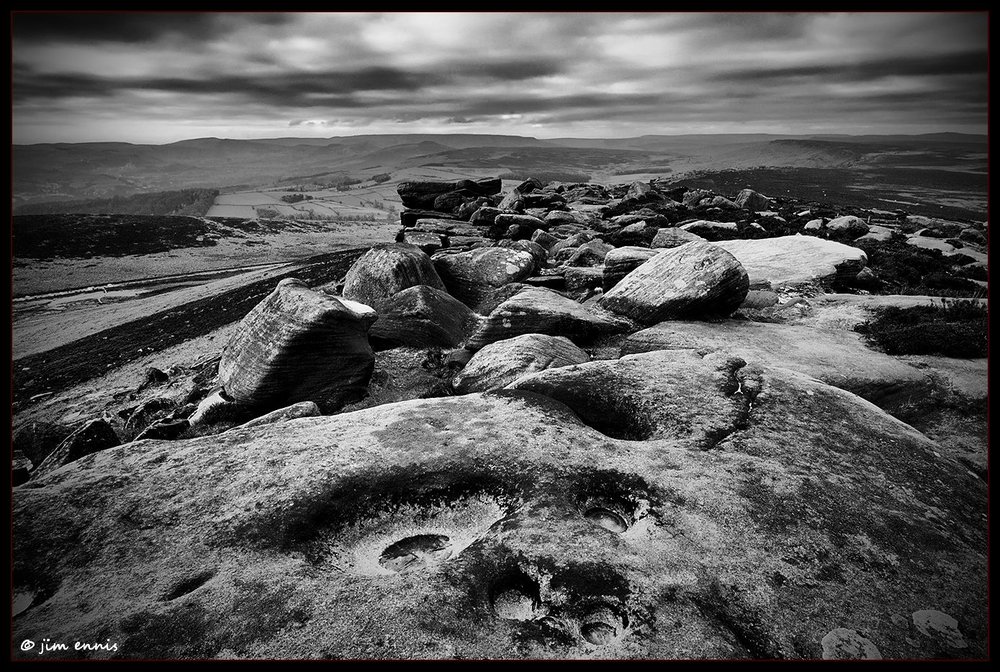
{"x":502,"y":135}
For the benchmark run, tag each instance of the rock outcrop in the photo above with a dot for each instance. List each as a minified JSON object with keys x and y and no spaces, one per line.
{"x":474,"y":276}
{"x":422,"y":317}
{"x":428,"y":195}
{"x":695,"y":279}
{"x":847,"y":226}
{"x":303,"y":409}
{"x":536,"y":310}
{"x":710,"y":230}
{"x":299,"y":345}
{"x":661,"y":506}
{"x":95,"y":435}
{"x":674,"y":237}
{"x":751,"y":200}
{"x":621,"y":261}
{"x":385,"y":270}
{"x":501,"y":363}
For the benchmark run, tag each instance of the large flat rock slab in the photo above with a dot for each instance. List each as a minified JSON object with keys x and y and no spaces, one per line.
{"x":838,"y":358}
{"x":795,"y":260}
{"x":764,"y":511}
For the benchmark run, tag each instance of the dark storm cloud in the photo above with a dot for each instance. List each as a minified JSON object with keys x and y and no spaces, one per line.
{"x":966,"y":62}
{"x":291,"y":89}
{"x":130,"y":27}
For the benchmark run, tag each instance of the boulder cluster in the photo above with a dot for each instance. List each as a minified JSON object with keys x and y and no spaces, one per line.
{"x":539,"y":442}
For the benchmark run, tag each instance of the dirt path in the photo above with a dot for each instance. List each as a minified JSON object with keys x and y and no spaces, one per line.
{"x":94,"y":355}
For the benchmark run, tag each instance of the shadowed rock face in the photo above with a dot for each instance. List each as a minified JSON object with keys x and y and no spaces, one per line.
{"x":759,"y":514}
{"x":386,"y":269}
{"x":299,"y":345}
{"x":695,"y":279}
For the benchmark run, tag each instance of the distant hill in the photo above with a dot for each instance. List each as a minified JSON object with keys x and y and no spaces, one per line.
{"x":91,"y":172}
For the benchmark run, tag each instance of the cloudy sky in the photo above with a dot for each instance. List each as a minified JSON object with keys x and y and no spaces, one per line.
{"x":155,"y":78}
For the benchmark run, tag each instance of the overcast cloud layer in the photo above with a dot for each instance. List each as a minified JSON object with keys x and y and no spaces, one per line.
{"x":153,"y":78}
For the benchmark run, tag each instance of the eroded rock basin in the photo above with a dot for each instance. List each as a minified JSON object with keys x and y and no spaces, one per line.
{"x":757,"y":512}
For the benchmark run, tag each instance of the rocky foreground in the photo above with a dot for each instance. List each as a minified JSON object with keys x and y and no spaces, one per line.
{"x":529,"y":428}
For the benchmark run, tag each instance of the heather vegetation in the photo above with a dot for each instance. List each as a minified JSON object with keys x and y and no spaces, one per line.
{"x":193,"y":202}
{"x":954,"y":329}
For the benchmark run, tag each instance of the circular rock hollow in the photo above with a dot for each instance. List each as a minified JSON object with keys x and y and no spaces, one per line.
{"x":416,"y":552}
{"x":411,"y":537}
{"x":606,"y":518}
{"x":602,"y":626}
{"x":516,"y":597}
{"x":613,"y":502}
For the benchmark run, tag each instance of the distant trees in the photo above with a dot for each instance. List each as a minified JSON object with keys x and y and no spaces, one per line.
{"x":295,"y":198}
{"x":381,"y":177}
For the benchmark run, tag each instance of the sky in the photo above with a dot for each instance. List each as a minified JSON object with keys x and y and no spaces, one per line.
{"x":163,"y":77}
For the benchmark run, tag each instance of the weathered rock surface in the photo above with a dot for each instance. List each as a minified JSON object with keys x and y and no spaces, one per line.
{"x":577,"y":278}
{"x":836,"y":357}
{"x":621,"y":261}
{"x":473,"y":276}
{"x":752,"y":200}
{"x":409,"y":218}
{"x":386,"y":269}
{"x":591,"y":253}
{"x":788,"y":261}
{"x":303,"y":409}
{"x":94,"y":436}
{"x":166,"y":429}
{"x":36,"y":439}
{"x":638,"y":233}
{"x":147,"y":413}
{"x":535,"y":310}
{"x":673,"y":237}
{"x":529,"y":246}
{"x":428,"y":242}
{"x":848,"y":226}
{"x":501,"y":363}
{"x":523,"y":225}
{"x":847,"y":644}
{"x":710,"y":230}
{"x":422,"y":317}
{"x":299,"y":345}
{"x":424,"y":194}
{"x":510,"y":525}
{"x":695,"y":279}
{"x":574,"y":240}
{"x":926,"y":243}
